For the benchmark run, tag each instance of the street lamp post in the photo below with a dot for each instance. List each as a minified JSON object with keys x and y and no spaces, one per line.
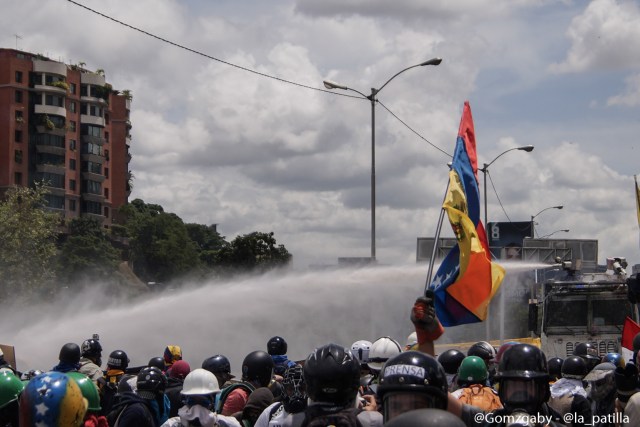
{"x":557,"y":231}
{"x":485,"y":169}
{"x":534,"y":216}
{"x":372,"y":98}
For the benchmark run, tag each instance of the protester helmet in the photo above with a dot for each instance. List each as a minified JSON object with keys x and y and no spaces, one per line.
{"x":451,"y":360}
{"x":52,"y":399}
{"x":70,"y":353}
{"x":172,"y":353}
{"x":258,"y":366}
{"x":615,"y":358}
{"x":412,"y":380}
{"x":118,"y":360}
{"x":180,"y":369}
{"x":431,"y":417}
{"x":412,"y":341}
{"x":88,"y":389}
{"x":504,"y":347}
{"x":381,"y":350}
{"x":151,"y":382}
{"x":294,"y":398}
{"x":332,"y":374}
{"x":523,"y":363}
{"x":483,"y":350}
{"x":589,"y":352}
{"x":574,"y":367}
{"x":157,"y":362}
{"x":555,"y":367}
{"x":200,"y":381}
{"x":360,"y":350}
{"x":91,"y":348}
{"x":277,"y":346}
{"x":472,"y":370}
{"x":10,"y":388}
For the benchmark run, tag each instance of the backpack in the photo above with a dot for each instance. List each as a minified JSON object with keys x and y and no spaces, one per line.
{"x":225,"y":393}
{"x":480,"y":396}
{"x":346,"y":417}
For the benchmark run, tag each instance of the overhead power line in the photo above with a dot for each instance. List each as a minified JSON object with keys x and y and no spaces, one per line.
{"x":246,"y":69}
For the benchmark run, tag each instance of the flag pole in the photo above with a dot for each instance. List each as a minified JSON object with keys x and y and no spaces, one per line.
{"x":435,"y":243}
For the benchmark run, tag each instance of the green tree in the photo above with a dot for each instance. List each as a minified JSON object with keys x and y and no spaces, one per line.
{"x":160,"y":247}
{"x":208,"y":243}
{"x":254,"y":252}
{"x":87,"y":254}
{"x":27,"y":243}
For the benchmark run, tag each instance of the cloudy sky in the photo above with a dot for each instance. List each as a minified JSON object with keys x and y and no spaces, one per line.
{"x":238,"y":130}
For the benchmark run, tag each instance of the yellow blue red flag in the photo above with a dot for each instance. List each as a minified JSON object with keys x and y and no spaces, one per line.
{"x":467,"y":279}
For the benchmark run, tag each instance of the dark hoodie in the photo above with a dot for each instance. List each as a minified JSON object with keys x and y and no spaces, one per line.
{"x":132,"y":411}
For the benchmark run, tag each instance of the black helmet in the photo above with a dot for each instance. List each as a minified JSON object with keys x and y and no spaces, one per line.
{"x":216,"y":364}
{"x":523,"y":362}
{"x":91,"y":348}
{"x":157,"y":362}
{"x":70,"y":353}
{"x":589,"y":353}
{"x":554,"y":365}
{"x":118,"y":359}
{"x":257,"y":366}
{"x":574,"y":367}
{"x":451,"y":360}
{"x":426,"y":417}
{"x":332,"y":374}
{"x":414,"y":374}
{"x":483,"y":350}
{"x":277,"y":346}
{"x":151,"y":382}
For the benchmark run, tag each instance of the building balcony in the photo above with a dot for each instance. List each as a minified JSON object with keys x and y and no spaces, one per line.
{"x":41,"y":148}
{"x":54,"y":131}
{"x":92,"y":158}
{"x":93,"y":197}
{"x":51,"y":89}
{"x":94,"y":100}
{"x":50,"y":110}
{"x":92,"y":120}
{"x":54,"y":190}
{"x":93,"y":176}
{"x":49,"y":67}
{"x":100,"y":218}
{"x":57,"y":169}
{"x":93,"y":139}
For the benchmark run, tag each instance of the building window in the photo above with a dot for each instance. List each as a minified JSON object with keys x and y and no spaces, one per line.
{"x":17,"y":178}
{"x":18,"y":136}
{"x":18,"y":156}
{"x":72,"y":107}
{"x":106,"y":212}
{"x":18,"y":76}
{"x":106,"y":172}
{"x":106,"y":193}
{"x":91,"y":207}
{"x":18,"y":96}
{"x":72,"y":125}
{"x":72,"y":184}
{"x":55,"y":100}
{"x":72,"y":88}
{"x":72,"y":164}
{"x":106,"y":136}
{"x":106,"y":154}
{"x":72,"y":144}
{"x":19,"y":116}
{"x":72,"y":205}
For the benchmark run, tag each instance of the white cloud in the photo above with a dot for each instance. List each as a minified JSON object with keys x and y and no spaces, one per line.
{"x":632,"y":96}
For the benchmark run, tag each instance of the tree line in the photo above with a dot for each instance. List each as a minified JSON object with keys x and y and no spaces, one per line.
{"x":40,"y":255}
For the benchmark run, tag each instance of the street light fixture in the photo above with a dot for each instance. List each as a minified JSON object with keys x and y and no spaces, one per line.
{"x":485,"y":169}
{"x":534,"y":216}
{"x":557,"y":231}
{"x":372,"y":98}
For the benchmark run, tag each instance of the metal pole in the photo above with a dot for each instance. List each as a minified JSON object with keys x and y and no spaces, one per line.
{"x":373,"y":174}
{"x":435,"y":245}
{"x":486,"y":231}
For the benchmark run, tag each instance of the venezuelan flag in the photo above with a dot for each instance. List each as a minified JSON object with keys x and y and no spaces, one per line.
{"x":467,"y":279}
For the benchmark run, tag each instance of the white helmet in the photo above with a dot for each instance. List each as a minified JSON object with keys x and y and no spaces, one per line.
{"x":381,"y":350}
{"x":200,"y":381}
{"x":360,"y":350}
{"x":412,"y":340}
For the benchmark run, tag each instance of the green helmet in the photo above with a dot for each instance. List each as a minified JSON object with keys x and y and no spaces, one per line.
{"x":10,"y":388}
{"x":88,"y":389}
{"x":472,"y":370}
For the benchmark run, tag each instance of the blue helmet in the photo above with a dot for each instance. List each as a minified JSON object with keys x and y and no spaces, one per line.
{"x":615,"y":358}
{"x":52,"y":399}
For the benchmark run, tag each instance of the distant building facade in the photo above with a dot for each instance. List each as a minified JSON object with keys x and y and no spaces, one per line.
{"x":65,"y":126}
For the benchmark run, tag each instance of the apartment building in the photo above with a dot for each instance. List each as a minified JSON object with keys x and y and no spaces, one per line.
{"x":67,"y":127}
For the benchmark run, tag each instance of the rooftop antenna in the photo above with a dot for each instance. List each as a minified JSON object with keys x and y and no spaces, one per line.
{"x":17,"y":37}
